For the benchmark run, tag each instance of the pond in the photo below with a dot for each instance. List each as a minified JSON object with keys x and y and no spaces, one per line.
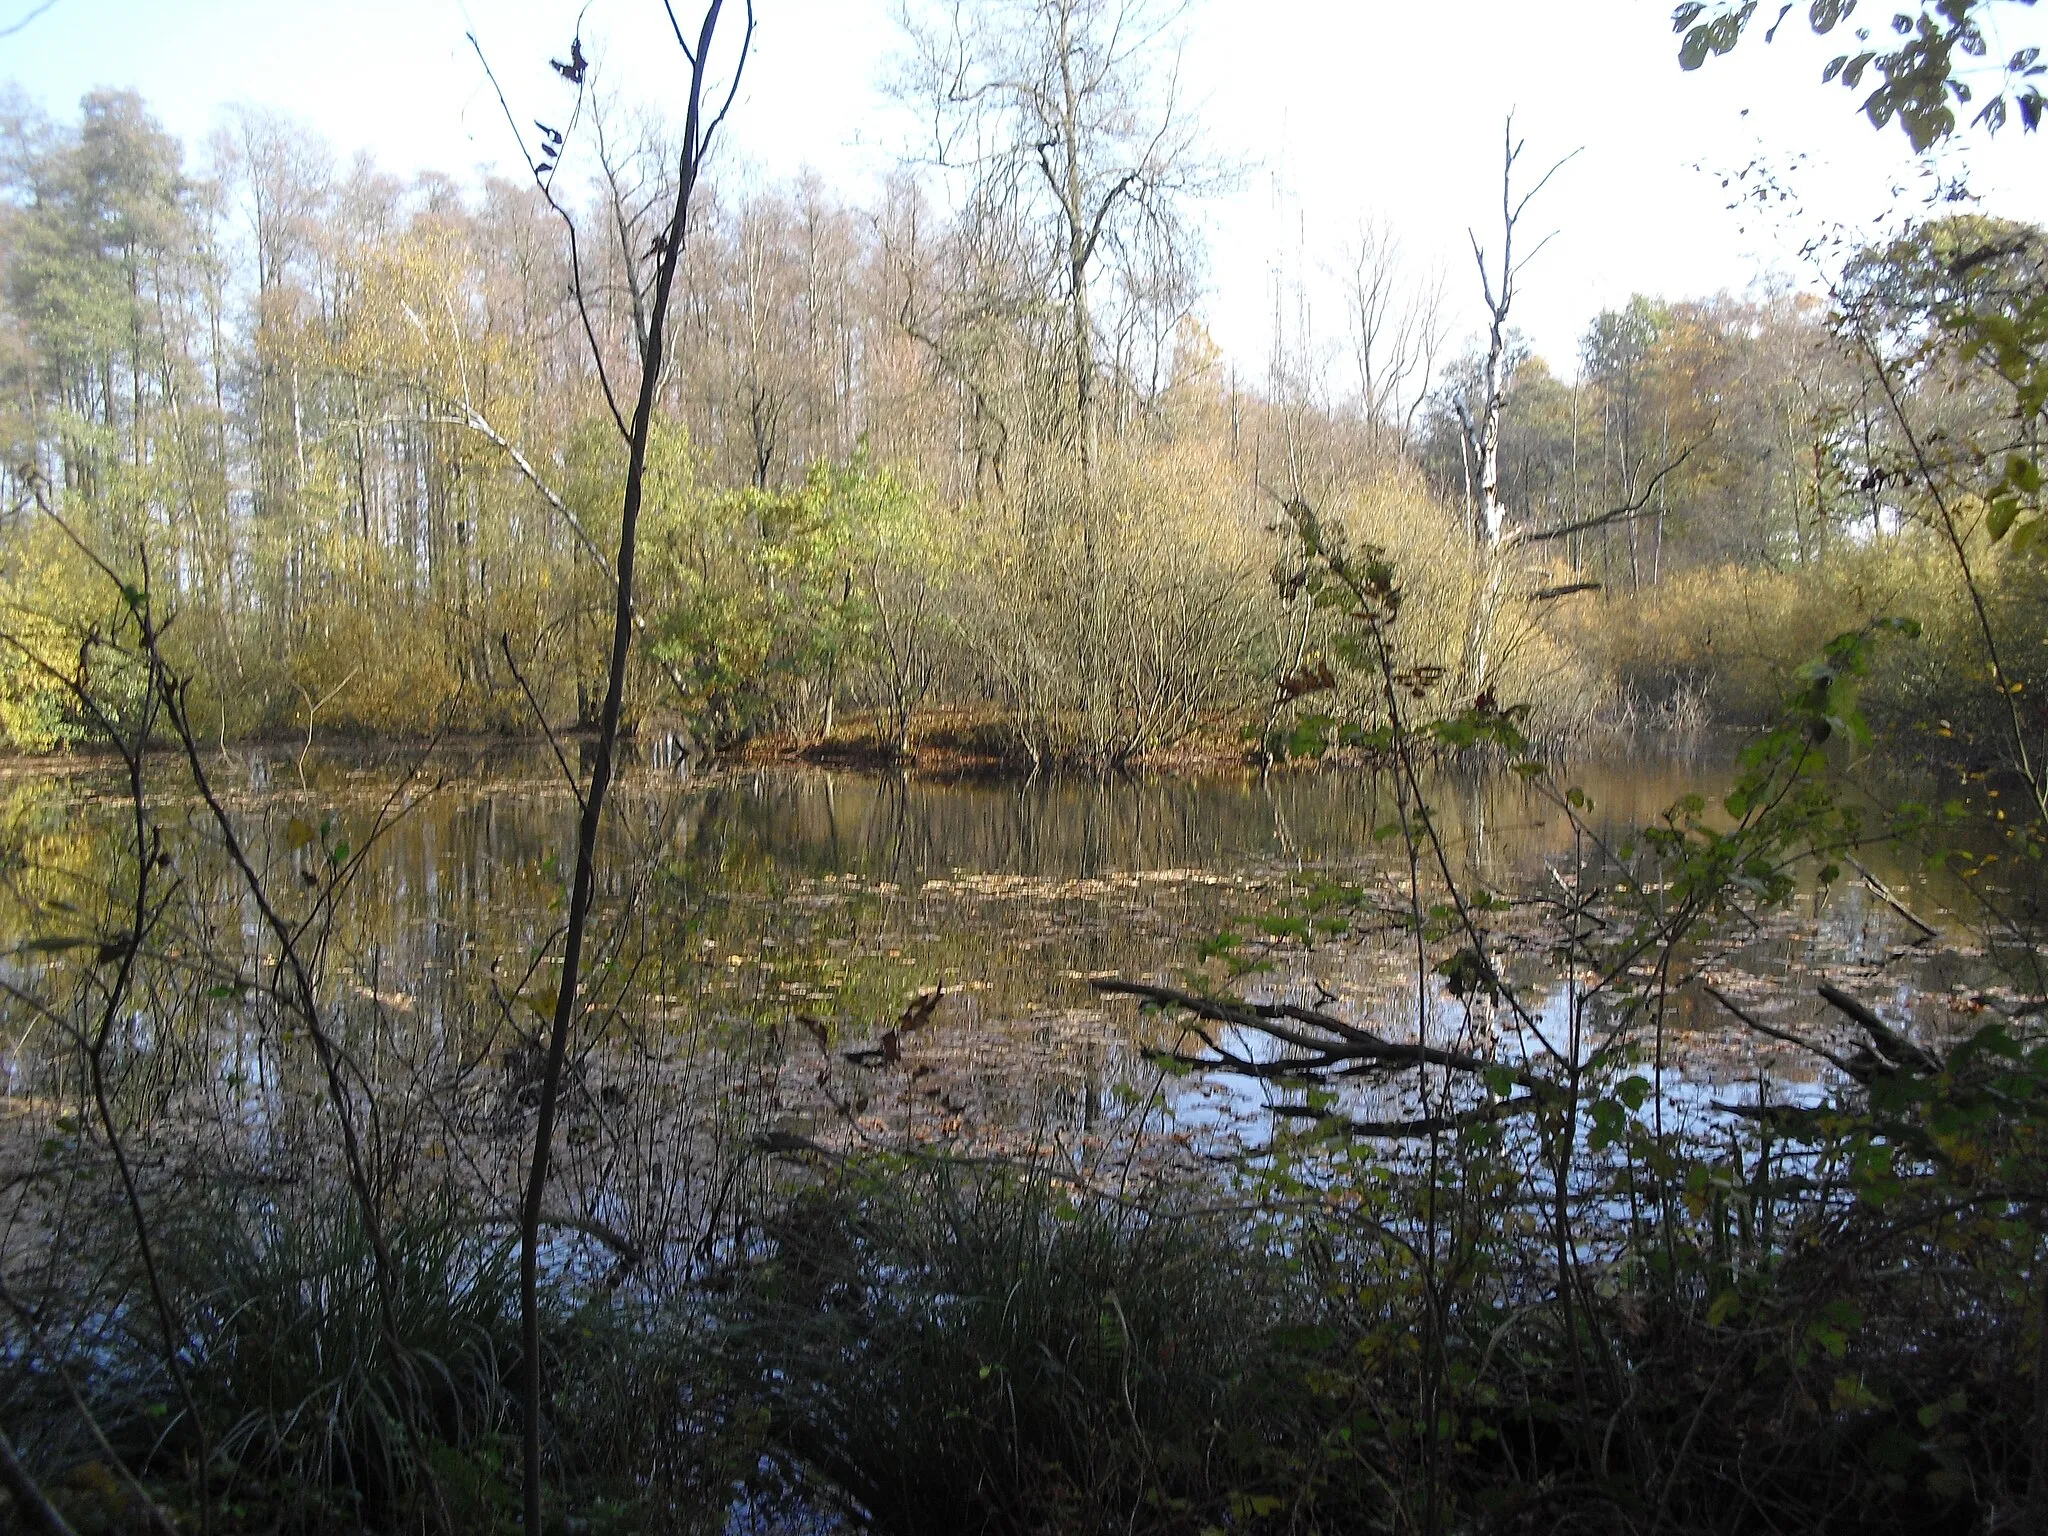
{"x":808,"y":909}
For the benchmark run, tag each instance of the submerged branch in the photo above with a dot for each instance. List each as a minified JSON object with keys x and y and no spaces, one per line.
{"x":1352,"y":1047}
{"x":1427,"y":1125}
{"x":1894,"y":1050}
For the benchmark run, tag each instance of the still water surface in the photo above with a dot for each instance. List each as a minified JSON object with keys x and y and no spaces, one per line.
{"x":829,"y":899}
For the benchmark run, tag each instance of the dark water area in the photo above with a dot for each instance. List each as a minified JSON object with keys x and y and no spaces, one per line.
{"x":768,"y":899}
{"x":468,"y":849}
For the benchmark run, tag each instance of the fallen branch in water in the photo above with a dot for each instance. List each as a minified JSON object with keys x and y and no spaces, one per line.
{"x":1430,"y":1125}
{"x":1837,"y":1062}
{"x":1894,"y":1051}
{"x":1353,"y":1048}
{"x":1884,"y":894}
{"x":1569,"y":589}
{"x":630,"y":1253}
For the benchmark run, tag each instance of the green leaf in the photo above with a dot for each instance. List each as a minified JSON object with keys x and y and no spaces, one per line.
{"x":1842,"y":1313}
{"x":2000,"y":515}
{"x":1310,"y":736}
{"x":1608,"y":1119}
{"x":1823,"y":15}
{"x":1850,"y":1395}
{"x":1832,"y":1340}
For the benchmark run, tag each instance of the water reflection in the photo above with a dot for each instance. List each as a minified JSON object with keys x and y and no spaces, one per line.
{"x":773,"y":898}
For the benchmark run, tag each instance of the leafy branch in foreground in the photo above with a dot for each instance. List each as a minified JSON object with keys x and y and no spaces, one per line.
{"x":1918,"y":74}
{"x":1540,"y":1088}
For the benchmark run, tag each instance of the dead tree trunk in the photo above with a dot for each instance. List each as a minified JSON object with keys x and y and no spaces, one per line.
{"x":1482,"y":432}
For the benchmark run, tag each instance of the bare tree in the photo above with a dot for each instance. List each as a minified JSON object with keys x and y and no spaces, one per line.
{"x":1054,"y":101}
{"x":904,"y":658}
{"x":967,"y":294}
{"x":1397,"y":331}
{"x":1498,"y":283}
{"x":1053,"y":110}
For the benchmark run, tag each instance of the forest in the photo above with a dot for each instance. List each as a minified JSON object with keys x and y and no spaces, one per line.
{"x":680,"y":853}
{"x":921,"y":473}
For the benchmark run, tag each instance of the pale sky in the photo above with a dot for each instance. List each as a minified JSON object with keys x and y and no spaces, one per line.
{"x":1342,"y":111}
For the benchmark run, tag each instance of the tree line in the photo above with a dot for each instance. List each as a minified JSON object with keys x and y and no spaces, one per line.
{"x":965,"y":453}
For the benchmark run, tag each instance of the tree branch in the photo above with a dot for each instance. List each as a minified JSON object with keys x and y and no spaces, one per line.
{"x":1632,"y":509}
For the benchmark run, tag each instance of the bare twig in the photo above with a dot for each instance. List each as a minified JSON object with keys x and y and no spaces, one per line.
{"x":541,"y":718}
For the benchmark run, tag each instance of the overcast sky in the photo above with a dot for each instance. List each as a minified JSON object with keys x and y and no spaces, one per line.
{"x":1342,"y":110}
